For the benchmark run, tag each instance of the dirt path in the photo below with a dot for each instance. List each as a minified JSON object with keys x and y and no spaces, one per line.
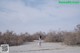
{"x":32,"y":47}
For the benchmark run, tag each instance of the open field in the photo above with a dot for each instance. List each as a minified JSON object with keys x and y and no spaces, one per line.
{"x":32,"y":47}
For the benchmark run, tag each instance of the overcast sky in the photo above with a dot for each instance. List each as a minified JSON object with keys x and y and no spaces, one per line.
{"x":37,"y":15}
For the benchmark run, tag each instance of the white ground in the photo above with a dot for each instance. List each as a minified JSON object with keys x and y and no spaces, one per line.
{"x":32,"y":47}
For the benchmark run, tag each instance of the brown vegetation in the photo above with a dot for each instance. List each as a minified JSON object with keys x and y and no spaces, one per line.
{"x":72,"y":38}
{"x":54,"y":37}
{"x":14,"y":39}
{"x":36,"y":35}
{"x":69,"y":38}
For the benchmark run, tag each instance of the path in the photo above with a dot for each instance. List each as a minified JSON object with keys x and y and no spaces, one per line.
{"x":32,"y":47}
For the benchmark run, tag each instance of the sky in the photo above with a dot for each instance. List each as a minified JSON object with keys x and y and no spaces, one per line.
{"x":38,"y":15}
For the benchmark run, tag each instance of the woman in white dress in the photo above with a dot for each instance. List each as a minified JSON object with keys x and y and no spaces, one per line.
{"x":39,"y":41}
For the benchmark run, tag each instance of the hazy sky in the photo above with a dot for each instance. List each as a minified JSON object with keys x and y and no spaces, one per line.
{"x":37,"y":15}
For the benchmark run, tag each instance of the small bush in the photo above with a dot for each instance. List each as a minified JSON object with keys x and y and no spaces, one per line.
{"x":54,"y":37}
{"x":72,"y":38}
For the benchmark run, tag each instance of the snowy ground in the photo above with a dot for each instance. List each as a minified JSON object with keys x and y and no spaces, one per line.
{"x":32,"y":47}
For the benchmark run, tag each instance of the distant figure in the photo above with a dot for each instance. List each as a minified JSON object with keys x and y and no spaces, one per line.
{"x":39,"y":41}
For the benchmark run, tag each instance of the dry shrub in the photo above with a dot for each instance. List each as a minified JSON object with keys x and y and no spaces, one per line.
{"x":54,"y":37}
{"x":72,"y":38}
{"x":69,"y":38}
{"x":36,"y":35}
{"x":13,"y":39}
{"x":49,"y":38}
{"x":29,"y":39}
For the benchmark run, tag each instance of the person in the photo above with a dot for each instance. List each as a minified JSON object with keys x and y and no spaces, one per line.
{"x":39,"y":41}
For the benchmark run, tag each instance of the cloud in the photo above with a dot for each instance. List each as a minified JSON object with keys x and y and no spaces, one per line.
{"x":19,"y":10}
{"x":36,"y":15}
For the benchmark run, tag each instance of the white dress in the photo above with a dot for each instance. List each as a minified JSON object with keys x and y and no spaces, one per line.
{"x":39,"y":43}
